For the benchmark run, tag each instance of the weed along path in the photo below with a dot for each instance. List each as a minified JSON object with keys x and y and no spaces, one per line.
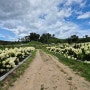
{"x":46,"y":73}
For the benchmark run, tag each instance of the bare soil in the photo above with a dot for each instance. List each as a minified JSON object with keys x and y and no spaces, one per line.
{"x":47,"y":73}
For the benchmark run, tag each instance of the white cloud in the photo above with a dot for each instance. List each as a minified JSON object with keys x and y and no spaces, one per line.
{"x":23,"y":16}
{"x":64,"y":13}
{"x":78,"y":12}
{"x":83,"y":3}
{"x":84,"y":15}
{"x":70,"y":2}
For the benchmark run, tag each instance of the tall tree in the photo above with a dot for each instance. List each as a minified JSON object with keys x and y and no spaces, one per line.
{"x":73,"y":39}
{"x":34,"y":37}
{"x":45,"y":38}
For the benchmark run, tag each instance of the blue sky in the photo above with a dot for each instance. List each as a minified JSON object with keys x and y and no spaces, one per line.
{"x":60,"y":17}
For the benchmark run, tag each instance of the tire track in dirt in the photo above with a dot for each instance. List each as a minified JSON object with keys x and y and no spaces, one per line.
{"x":47,"y":73}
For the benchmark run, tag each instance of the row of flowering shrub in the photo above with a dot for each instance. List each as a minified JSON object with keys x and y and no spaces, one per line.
{"x":80,"y":51}
{"x":9,"y":58}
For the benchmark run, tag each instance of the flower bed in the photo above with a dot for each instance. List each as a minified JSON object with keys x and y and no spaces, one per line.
{"x":80,"y":51}
{"x":11,"y":58}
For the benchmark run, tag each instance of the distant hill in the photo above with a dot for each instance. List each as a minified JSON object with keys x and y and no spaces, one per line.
{"x":7,"y":42}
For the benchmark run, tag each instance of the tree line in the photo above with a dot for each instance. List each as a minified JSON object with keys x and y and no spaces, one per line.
{"x":8,"y":42}
{"x":76,"y":39}
{"x":44,"y":38}
{"x":48,"y":38}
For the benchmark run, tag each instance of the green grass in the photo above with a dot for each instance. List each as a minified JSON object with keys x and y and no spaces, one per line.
{"x":17,"y":73}
{"x":36,"y":44}
{"x":80,"y":68}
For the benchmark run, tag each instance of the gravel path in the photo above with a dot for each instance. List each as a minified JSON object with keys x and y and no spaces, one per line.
{"x":46,"y":73}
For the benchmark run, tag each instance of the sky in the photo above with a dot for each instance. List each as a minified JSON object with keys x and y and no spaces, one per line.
{"x":18,"y":18}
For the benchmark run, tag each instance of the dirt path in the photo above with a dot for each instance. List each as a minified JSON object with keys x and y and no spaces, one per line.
{"x":46,"y":73}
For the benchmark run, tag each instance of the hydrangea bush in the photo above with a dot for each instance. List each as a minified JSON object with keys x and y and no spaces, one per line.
{"x":9,"y":58}
{"x":80,"y":51}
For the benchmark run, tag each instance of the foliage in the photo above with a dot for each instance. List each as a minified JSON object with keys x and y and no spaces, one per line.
{"x":9,"y":58}
{"x":80,"y":51}
{"x":34,"y":37}
{"x":45,"y":38}
{"x":73,"y":38}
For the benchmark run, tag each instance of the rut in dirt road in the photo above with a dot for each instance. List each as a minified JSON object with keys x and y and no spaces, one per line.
{"x":46,"y":73}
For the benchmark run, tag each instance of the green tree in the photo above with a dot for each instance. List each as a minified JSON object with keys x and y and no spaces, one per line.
{"x":45,"y":38}
{"x":34,"y":37}
{"x":73,"y":39}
